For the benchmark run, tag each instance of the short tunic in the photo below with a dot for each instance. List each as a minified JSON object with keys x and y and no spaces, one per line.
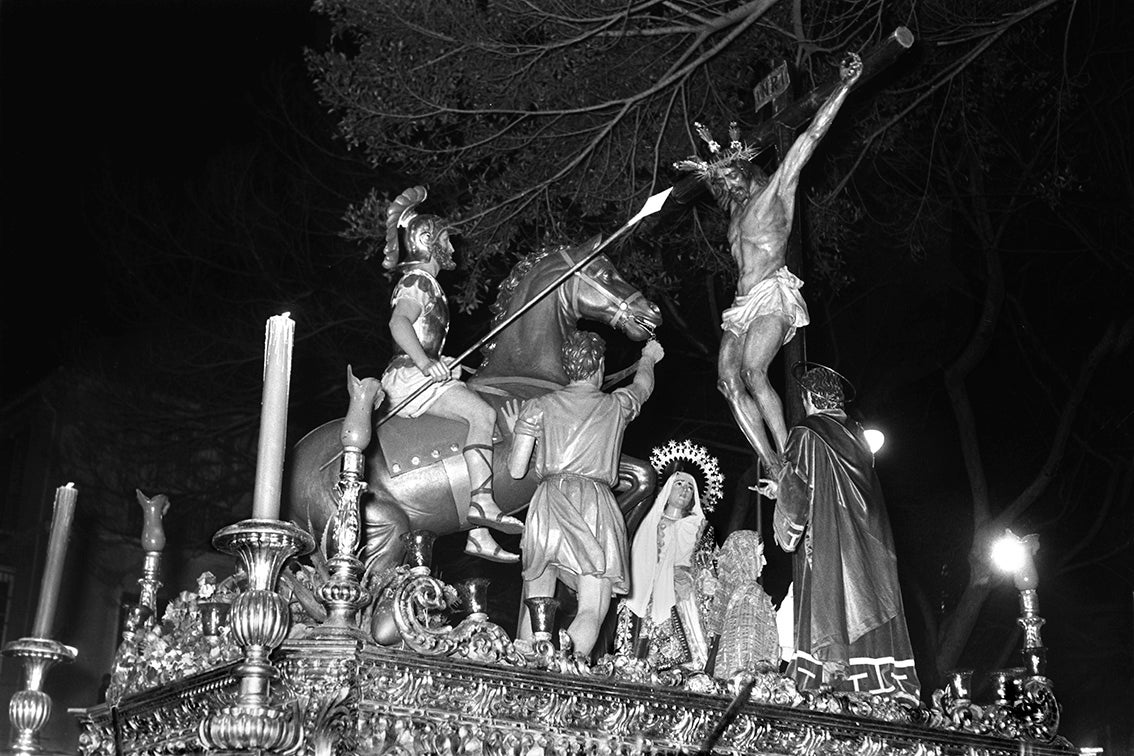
{"x":778,"y":294}
{"x":574,"y":523}
{"x":401,"y":377}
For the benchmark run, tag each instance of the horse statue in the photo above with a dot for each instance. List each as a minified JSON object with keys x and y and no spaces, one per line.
{"x":416,"y":477}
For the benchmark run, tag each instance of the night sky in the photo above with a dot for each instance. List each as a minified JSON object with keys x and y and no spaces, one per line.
{"x":152,"y":90}
{"x":137,"y":91}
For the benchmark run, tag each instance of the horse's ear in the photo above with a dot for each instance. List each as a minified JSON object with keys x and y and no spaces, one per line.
{"x":594,"y":241}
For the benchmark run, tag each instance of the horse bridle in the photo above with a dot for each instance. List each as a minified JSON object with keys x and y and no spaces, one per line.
{"x":622,"y":306}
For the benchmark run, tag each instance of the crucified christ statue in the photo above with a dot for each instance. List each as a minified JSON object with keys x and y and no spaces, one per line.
{"x":768,"y":307}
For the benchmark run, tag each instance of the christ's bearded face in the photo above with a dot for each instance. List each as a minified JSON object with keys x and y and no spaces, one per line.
{"x":735,"y":182}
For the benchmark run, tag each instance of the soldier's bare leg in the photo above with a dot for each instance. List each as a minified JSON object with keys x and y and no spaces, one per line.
{"x":594,"y":602}
{"x":761,"y":344}
{"x":460,"y":403}
{"x":745,"y":411}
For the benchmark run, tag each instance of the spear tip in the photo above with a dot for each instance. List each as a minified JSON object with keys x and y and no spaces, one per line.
{"x":653,"y":204}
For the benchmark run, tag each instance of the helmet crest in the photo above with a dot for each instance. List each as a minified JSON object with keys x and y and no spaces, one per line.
{"x":422,"y":234}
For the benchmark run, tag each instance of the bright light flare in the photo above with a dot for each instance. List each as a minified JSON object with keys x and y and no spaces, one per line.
{"x":1009,"y":553}
{"x":1013,"y":554}
{"x":875,"y":439}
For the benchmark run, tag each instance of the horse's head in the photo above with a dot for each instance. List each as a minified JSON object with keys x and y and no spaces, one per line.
{"x":601,"y":293}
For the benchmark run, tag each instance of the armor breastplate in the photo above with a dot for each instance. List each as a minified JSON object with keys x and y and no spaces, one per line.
{"x":432,"y":326}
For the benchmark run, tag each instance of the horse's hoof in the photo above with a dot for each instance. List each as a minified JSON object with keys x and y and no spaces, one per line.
{"x":499,"y":522}
{"x":495,"y":554}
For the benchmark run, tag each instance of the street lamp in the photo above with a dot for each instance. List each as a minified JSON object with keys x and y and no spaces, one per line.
{"x":875,"y":439}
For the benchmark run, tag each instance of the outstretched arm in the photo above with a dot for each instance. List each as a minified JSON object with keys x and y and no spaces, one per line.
{"x":801,"y":151}
{"x":652,"y":354}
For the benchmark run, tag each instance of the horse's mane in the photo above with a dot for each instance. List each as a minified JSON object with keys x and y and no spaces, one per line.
{"x":508,"y":288}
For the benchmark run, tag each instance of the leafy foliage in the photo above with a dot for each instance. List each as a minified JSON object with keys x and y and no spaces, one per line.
{"x":533,"y":124}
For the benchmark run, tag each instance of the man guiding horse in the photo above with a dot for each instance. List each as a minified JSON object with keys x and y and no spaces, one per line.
{"x":768,"y":307}
{"x":418,"y":380}
{"x":575,"y":532}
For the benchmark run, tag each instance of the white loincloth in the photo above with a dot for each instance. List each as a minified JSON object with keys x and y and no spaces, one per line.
{"x":778,"y":294}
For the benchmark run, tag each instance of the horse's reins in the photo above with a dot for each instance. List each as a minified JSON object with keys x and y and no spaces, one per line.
{"x":621,"y":306}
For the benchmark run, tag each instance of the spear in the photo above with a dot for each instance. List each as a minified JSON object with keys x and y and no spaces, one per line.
{"x":652,"y":205}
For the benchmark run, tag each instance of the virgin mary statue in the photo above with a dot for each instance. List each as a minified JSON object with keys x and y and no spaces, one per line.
{"x":666,"y":625}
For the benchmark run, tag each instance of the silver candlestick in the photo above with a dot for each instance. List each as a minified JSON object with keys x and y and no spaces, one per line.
{"x":30,"y":708}
{"x":259,"y":620}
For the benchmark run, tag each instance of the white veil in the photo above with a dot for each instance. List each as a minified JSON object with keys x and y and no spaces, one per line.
{"x":651,"y":574}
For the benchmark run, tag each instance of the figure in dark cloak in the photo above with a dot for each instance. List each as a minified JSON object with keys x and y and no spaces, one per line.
{"x":850,"y":628}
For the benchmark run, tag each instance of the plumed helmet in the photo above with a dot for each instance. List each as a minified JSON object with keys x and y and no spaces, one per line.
{"x":422,"y":235}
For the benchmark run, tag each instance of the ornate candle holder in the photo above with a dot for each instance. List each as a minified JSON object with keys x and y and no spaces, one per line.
{"x":145,"y":612}
{"x":342,"y":593}
{"x":30,"y":708}
{"x":956,"y":700}
{"x":473,"y":593}
{"x":1001,"y":716}
{"x":1024,"y":705}
{"x":259,"y":621}
{"x":541,"y":651}
{"x":213,"y":606}
{"x":1034,"y":653}
{"x":542,"y":610}
{"x":1035,"y":706}
{"x":419,"y":550}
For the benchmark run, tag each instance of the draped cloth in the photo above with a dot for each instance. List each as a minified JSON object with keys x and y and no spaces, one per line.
{"x":848,"y":604}
{"x":778,"y":294}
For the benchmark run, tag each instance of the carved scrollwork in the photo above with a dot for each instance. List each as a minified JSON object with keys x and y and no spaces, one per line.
{"x":419,"y":606}
{"x":479,"y":640}
{"x":1030,"y":713}
{"x":329,"y":723}
{"x":96,"y":739}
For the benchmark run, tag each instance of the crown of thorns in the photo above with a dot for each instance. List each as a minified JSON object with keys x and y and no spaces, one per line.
{"x":669,"y":458}
{"x":720,"y":159}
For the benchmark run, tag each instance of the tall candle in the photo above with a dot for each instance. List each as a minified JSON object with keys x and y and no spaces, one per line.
{"x":273,"y":417}
{"x":56,"y":554}
{"x":1026,"y":578}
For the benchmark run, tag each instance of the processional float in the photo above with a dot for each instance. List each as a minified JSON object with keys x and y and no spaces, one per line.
{"x":263,"y":669}
{"x":277,"y":660}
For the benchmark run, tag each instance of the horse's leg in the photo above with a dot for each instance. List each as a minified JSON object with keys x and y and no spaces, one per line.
{"x":383,"y":522}
{"x":636,"y":483}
